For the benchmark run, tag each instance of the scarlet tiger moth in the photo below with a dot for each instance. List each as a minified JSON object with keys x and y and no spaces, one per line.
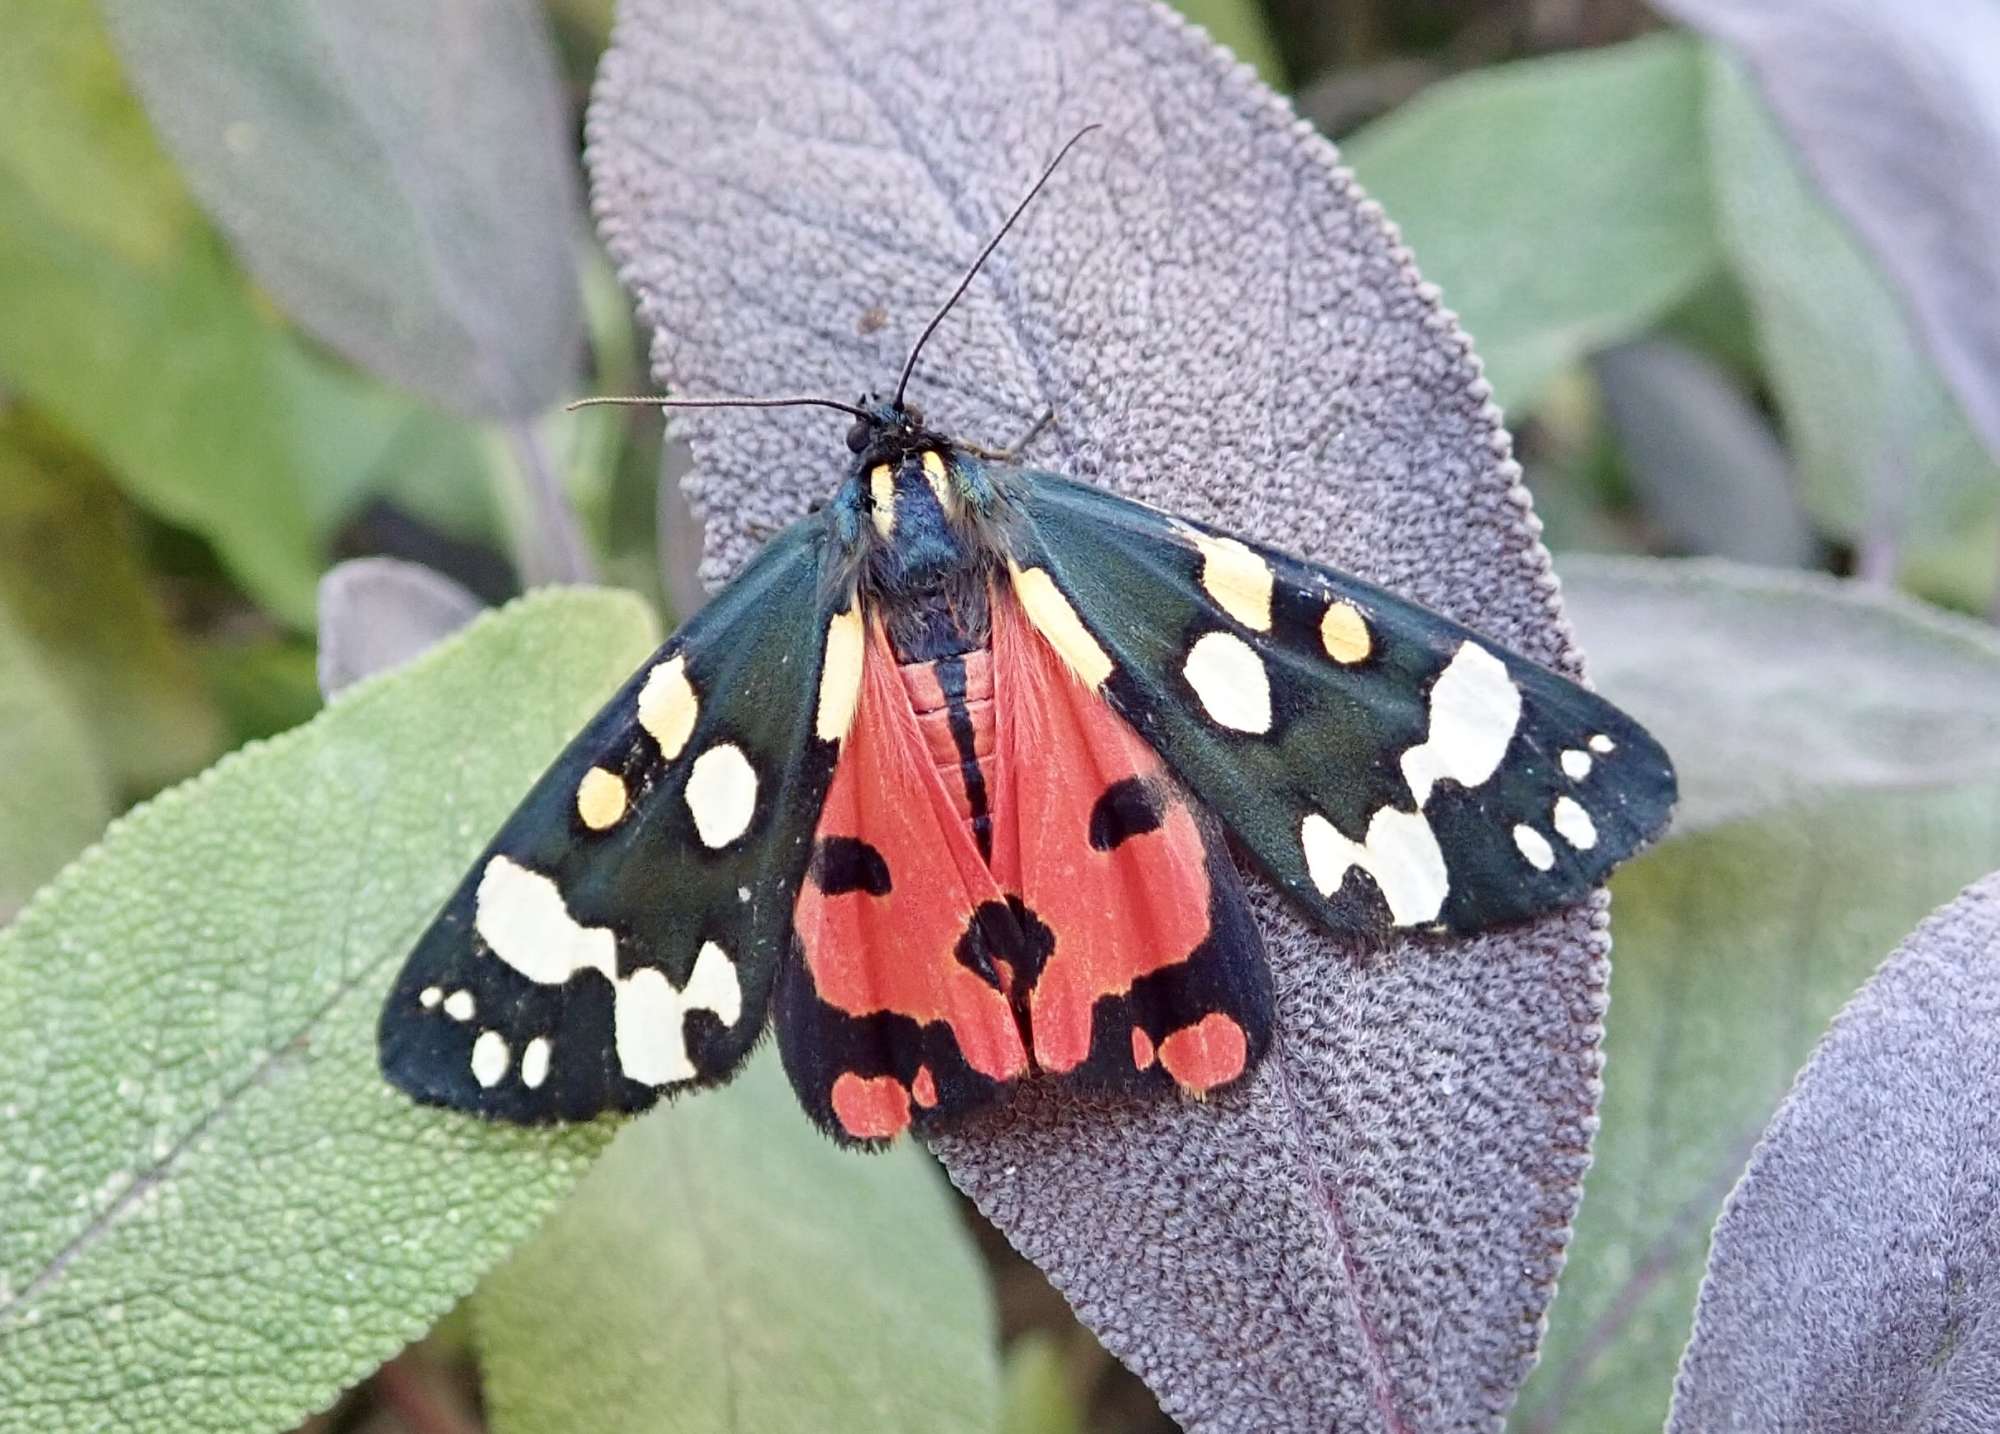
{"x":938,"y":784}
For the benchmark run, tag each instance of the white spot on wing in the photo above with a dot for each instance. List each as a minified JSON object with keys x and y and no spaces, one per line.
{"x":1056,"y":620}
{"x":429,"y":997}
{"x":1475,"y":707}
{"x":489,"y":1058}
{"x":1603,"y":745}
{"x":648,"y":1015}
{"x":1576,"y":764}
{"x":459,"y":1006}
{"x":1401,"y":854}
{"x":1229,"y":678}
{"x":535,"y":1063}
{"x":1574,"y":824}
{"x":668,"y":706}
{"x":722,"y":794}
{"x":840,"y":674}
{"x":522,"y":916}
{"x":1535,"y":847}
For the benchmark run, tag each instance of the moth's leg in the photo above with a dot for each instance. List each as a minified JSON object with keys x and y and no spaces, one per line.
{"x":1012,"y":452}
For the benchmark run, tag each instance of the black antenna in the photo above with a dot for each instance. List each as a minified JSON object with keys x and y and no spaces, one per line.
{"x":648,"y":400}
{"x":910,"y":364}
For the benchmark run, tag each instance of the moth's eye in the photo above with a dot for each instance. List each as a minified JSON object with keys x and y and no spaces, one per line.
{"x":857,"y":437}
{"x":913,"y":415}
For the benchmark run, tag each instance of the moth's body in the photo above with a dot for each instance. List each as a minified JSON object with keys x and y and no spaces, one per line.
{"x":937,"y":786}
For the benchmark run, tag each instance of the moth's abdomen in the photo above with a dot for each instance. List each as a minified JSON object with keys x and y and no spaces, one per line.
{"x":952,"y":699}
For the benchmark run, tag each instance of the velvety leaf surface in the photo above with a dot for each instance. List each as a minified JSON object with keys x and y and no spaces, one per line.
{"x":1771,"y":688}
{"x":1494,"y":175}
{"x":121,"y":319}
{"x":378,"y":613}
{"x":1364,"y":1236}
{"x":394,"y":171}
{"x":726,"y":1267}
{"x":1738,"y":941}
{"x":214,"y":1212}
{"x":1896,"y":111}
{"x":1708,"y":469}
{"x":1885,"y":456}
{"x":1854,"y":1279}
{"x":54,"y":797}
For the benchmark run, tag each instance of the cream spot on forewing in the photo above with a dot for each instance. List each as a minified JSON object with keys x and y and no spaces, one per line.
{"x":1343,"y":632}
{"x":522,"y":916}
{"x":1238,"y":580}
{"x":600,"y":799}
{"x":1574,"y":825}
{"x":1229,"y":677}
{"x":1401,"y":854}
{"x":535,"y":1063}
{"x":1535,"y":847}
{"x":1056,"y":620}
{"x":460,"y":1006}
{"x":882,"y":499}
{"x":940,"y":481}
{"x":1603,"y":745}
{"x":429,"y":997}
{"x":1475,"y":708}
{"x":648,"y":1015}
{"x":667,"y":706}
{"x":722,"y":794}
{"x":1576,"y":764}
{"x":840,"y":674}
{"x":489,"y":1058}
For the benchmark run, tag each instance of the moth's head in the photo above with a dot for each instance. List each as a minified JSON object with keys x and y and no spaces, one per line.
{"x":888,"y":432}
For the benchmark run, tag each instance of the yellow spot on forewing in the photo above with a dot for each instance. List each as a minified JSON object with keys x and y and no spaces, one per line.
{"x":1237,"y":579}
{"x":668,"y":706}
{"x":840,"y":674}
{"x":882,"y":498}
{"x":1230,"y":679}
{"x":1343,"y":632}
{"x":600,"y":799}
{"x":1056,"y":620}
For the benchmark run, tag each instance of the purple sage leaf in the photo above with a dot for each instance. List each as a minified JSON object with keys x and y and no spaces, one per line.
{"x":1854,"y":1278}
{"x":1366,"y":1235}
{"x":1896,"y":109}
{"x":397,"y":172}
{"x":378,"y":613}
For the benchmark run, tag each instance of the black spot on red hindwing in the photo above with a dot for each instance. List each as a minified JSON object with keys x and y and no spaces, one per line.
{"x":1130,"y":807}
{"x":1008,"y":935}
{"x":842,"y":864}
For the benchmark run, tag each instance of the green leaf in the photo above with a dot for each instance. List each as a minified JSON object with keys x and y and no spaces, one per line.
{"x":263,"y":686}
{"x":1736,"y":944}
{"x":72,"y":575}
{"x":1548,"y":241}
{"x":213,"y":1212}
{"x":1884,"y":454}
{"x":1729,"y":667}
{"x":1036,"y":1396}
{"x":142,"y":341}
{"x":726,"y":1267}
{"x":54,"y":798}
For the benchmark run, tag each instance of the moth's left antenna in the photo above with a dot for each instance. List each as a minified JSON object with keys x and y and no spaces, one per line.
{"x":910,"y":364}
{"x":649,"y":400}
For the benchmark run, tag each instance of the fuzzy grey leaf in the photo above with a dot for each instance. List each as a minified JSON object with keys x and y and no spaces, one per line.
{"x":1896,"y":109}
{"x":1854,"y":1278}
{"x":1364,"y":1237}
{"x":378,"y":613}
{"x":1712,"y":472}
{"x":395,"y":171}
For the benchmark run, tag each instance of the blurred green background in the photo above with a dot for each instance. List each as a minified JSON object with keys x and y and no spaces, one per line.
{"x":1696,"y":356}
